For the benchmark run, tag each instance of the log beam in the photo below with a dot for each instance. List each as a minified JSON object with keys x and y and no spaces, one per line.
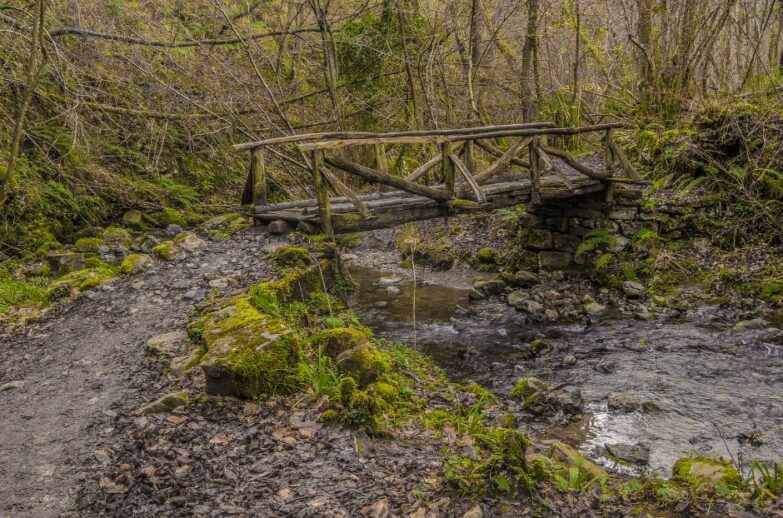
{"x":322,"y":194}
{"x":465,"y":172}
{"x":502,"y":162}
{"x":380,"y":177}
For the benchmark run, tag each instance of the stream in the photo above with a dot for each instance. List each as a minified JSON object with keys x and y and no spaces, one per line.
{"x":706,"y":386}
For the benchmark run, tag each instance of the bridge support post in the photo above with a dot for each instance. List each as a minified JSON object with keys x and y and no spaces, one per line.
{"x":381,"y":164}
{"x":535,"y":173}
{"x":258,"y":175}
{"x":610,"y":161}
{"x":446,"y":149}
{"x":322,"y":194}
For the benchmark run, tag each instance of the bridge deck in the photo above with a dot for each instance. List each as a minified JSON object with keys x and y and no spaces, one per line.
{"x":396,"y":207}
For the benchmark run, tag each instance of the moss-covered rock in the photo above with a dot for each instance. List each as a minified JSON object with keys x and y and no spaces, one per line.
{"x":169,"y":216}
{"x":334,"y":342}
{"x":76,"y":282}
{"x":88,"y":244}
{"x":529,"y":390}
{"x":136,"y":263}
{"x":707,"y":474}
{"x":62,"y":263}
{"x":288,"y":257}
{"x":247,"y":353}
{"x":227,"y":224}
{"x":136,"y":220}
{"x":362,"y":363}
{"x":185,"y":244}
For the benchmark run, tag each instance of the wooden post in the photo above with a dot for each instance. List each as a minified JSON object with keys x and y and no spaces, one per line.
{"x":381,"y":164}
{"x":258,"y":174}
{"x":467,"y":156}
{"x":322,"y":194}
{"x":610,"y":160}
{"x":535,"y":173}
{"x":446,"y":149}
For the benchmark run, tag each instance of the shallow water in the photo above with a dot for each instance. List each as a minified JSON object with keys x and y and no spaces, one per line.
{"x":710,"y":383}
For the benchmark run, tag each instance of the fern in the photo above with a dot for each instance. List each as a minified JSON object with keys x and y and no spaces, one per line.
{"x":604,"y":260}
{"x":594,"y":240}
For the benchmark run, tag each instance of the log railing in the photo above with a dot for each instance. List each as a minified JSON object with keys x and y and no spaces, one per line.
{"x":458,"y":177}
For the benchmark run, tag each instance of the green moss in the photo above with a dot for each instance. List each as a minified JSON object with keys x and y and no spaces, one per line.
{"x":88,"y":244}
{"x":130,"y":265}
{"x":116,"y":234}
{"x":257,"y":351}
{"x":264,"y":298}
{"x":18,"y":291}
{"x":163,"y":250}
{"x":323,"y":303}
{"x":363,"y":363}
{"x":385,"y":391}
{"x":485,"y":255}
{"x":334,"y":342}
{"x":529,"y":390}
{"x":330,"y":416}
{"x":81,"y":280}
{"x":704,"y":473}
{"x":289,"y":257}
{"x":333,"y":322}
{"x":170,"y":216}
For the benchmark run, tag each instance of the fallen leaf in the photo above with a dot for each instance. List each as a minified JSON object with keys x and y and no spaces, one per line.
{"x":107,"y":485}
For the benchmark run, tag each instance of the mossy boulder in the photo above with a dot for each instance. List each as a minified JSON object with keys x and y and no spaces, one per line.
{"x":116,"y":237}
{"x":62,"y":263}
{"x":529,"y":390}
{"x":486,"y":256}
{"x":362,"y":363}
{"x":247,"y":353}
{"x":706,"y":473}
{"x":73,"y":283}
{"x":334,"y":342}
{"x":185,"y":244}
{"x":88,"y":245}
{"x":288,"y":257}
{"x":228,"y":224}
{"x":169,"y":216}
{"x":136,"y":263}
{"x":136,"y":220}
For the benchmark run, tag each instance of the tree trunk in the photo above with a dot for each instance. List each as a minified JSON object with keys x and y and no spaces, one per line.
{"x":35,"y":64}
{"x":530,"y":107}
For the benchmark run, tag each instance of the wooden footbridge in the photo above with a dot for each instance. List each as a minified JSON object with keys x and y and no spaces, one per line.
{"x":455,"y":186}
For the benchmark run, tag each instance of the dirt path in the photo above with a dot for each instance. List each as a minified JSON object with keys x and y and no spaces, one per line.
{"x":83,"y":366}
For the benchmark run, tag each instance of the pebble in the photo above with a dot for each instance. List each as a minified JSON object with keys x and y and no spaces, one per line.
{"x":11,"y":385}
{"x":392,"y":291}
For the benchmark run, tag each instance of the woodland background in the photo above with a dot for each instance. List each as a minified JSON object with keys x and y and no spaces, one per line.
{"x":113,"y":104}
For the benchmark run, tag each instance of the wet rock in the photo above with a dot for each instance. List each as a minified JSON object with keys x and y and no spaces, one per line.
{"x":474,"y":512}
{"x":278,"y":226}
{"x":271,"y":248}
{"x":624,"y":404}
{"x":172,"y":230}
{"x":568,"y":399}
{"x":164,"y":404}
{"x":388,"y":280}
{"x":65,"y":262}
{"x":594,"y":309}
{"x":474,"y":294}
{"x":392,"y":291}
{"x":146,"y":243}
{"x":633,"y":289}
{"x":306,"y":227}
{"x":551,"y":314}
{"x":166,"y":345}
{"x":11,"y":385}
{"x":569,"y":360}
{"x":520,"y":300}
{"x":635,"y":454}
{"x":756,"y":323}
{"x":565,"y":454}
{"x":489,"y":287}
